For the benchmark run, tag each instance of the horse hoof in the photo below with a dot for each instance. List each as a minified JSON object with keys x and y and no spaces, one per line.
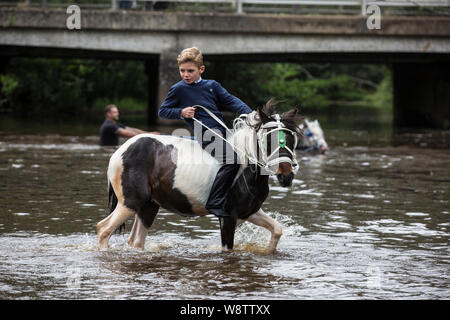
{"x":136,"y":245}
{"x":103,"y":245}
{"x":226,"y":249}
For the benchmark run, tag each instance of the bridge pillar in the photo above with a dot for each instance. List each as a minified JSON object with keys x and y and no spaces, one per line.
{"x":168,"y":75}
{"x":152,"y":71}
{"x":4,"y":61}
{"x":422,"y":95}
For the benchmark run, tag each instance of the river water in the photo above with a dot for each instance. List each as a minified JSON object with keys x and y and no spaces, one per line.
{"x":370,"y":220}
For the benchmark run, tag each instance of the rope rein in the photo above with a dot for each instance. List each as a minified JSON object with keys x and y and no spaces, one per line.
{"x":273,"y":126}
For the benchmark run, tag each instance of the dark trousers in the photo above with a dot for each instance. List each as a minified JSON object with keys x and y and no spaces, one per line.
{"x":222,"y":183}
{"x":220,"y":188}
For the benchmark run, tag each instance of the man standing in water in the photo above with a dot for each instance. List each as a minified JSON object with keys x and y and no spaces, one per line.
{"x":111,"y":129}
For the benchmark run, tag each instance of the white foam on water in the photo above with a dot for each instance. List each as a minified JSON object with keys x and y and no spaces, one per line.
{"x":88,"y":205}
{"x":310,"y":192}
{"x":279,"y":189}
{"x":417,"y":214}
{"x":395,"y":227}
{"x":20,"y":214}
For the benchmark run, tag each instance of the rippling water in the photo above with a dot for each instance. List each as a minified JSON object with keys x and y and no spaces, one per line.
{"x":366,"y":222}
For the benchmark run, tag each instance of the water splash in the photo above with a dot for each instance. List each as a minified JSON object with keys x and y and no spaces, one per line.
{"x":250,"y":236}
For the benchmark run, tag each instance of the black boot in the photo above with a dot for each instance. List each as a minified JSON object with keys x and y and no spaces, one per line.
{"x":220,"y":188}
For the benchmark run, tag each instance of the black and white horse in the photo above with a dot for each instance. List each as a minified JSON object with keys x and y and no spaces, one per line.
{"x":152,"y":171}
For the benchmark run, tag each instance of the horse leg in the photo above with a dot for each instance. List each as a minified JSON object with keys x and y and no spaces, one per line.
{"x":260,"y":218}
{"x":227,"y":229}
{"x":141,"y":225}
{"x":108,"y":225}
{"x":138,"y":234}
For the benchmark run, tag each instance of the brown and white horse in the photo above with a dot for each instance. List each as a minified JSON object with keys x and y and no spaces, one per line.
{"x":152,"y":171}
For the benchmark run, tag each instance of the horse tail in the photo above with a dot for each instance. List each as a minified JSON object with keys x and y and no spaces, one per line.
{"x":112,"y":203}
{"x":112,"y":198}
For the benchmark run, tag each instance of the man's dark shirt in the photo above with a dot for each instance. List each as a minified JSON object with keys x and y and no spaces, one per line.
{"x":108,"y":133}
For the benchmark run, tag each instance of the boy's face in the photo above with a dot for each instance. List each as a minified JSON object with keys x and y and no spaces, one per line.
{"x":189,"y":72}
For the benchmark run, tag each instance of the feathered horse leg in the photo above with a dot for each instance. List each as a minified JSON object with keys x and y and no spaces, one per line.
{"x":260,"y":218}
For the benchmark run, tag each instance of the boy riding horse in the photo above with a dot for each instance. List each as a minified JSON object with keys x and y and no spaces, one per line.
{"x":180,"y":104}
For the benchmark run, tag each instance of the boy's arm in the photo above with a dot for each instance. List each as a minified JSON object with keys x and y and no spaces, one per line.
{"x":168,"y":108}
{"x":229,"y":101}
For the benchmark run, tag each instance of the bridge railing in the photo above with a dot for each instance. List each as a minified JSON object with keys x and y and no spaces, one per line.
{"x":243,"y":6}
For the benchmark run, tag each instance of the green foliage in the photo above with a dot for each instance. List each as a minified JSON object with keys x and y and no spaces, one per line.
{"x":8,"y":84}
{"x":308,"y":86}
{"x":83,"y":87}
{"x":382,"y":97}
{"x":312,"y":92}
{"x":71,"y":87}
{"x":129,"y":104}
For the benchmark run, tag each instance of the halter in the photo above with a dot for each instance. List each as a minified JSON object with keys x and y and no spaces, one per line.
{"x":273,"y":158}
{"x":268,"y":161}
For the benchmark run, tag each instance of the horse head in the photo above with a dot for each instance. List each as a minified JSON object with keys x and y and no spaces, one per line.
{"x":312,"y":137}
{"x":277,"y":139}
{"x":319,"y":142}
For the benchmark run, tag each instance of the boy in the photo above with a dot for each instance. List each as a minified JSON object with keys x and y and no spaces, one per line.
{"x":193,"y":90}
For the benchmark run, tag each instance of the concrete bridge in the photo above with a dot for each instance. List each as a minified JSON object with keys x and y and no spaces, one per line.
{"x":418,"y":47}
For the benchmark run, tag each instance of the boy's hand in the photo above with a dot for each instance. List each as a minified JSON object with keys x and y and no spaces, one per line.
{"x":188,"y":112}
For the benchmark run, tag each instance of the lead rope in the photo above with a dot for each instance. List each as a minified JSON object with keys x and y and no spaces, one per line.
{"x":256,"y":161}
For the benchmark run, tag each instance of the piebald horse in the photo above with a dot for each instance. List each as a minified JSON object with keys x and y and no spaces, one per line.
{"x":152,"y":171}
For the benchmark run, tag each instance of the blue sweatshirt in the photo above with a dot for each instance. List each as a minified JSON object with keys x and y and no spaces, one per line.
{"x":208,"y":93}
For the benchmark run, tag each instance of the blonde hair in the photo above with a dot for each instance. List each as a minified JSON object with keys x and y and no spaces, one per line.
{"x":192,"y":55}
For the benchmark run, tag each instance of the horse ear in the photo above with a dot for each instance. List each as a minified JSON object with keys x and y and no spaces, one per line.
{"x":269,"y":107}
{"x":263,"y":116}
{"x":289,"y":114}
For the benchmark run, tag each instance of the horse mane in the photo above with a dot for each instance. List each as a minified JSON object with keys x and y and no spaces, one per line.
{"x":244,"y":138}
{"x":290,"y":118}
{"x":269,"y":107}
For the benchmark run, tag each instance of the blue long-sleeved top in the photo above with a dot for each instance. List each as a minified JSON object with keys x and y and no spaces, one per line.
{"x":208,"y":93}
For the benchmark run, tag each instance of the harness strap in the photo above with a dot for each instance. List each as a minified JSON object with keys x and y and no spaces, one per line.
{"x":277,"y":125}
{"x":213,"y":116}
{"x":256,"y":161}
